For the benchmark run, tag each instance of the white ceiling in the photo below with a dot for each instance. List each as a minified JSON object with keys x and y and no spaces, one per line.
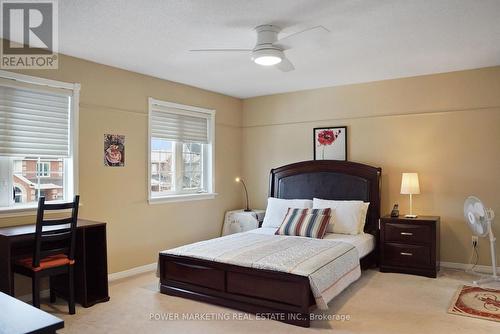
{"x":369,"y":40}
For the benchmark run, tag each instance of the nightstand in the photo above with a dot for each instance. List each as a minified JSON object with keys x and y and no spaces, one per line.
{"x":237,"y":221}
{"x":410,"y":245}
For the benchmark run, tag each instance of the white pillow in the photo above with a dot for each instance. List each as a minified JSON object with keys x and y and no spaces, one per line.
{"x":277,"y":209}
{"x":364,"y":212}
{"x":346,"y":215}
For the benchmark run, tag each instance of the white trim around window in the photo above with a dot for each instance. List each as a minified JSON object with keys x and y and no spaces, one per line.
{"x":70,"y":163}
{"x":208,"y":152}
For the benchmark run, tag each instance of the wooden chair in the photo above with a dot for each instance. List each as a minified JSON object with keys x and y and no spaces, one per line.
{"x":54,"y":252}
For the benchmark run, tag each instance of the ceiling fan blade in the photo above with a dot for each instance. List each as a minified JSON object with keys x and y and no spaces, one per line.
{"x":285,"y":65}
{"x":293,"y":39}
{"x":220,"y":50}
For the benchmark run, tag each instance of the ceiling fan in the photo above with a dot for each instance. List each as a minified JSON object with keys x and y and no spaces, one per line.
{"x":269,"y":50}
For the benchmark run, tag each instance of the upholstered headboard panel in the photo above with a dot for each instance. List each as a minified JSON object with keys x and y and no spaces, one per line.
{"x":330,"y":179}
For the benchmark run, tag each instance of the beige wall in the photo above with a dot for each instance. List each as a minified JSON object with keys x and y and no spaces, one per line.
{"x":115,"y":101}
{"x":446,"y":127}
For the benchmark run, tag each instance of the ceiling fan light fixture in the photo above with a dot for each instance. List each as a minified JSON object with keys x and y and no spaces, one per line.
{"x":267,"y":57}
{"x":267,"y":60}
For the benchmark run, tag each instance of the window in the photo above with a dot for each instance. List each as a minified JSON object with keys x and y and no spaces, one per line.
{"x":43,"y":168}
{"x":38,"y":124}
{"x":181,"y":152}
{"x":18,"y":195}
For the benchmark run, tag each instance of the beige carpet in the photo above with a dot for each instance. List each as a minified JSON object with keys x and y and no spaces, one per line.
{"x":376,"y":303}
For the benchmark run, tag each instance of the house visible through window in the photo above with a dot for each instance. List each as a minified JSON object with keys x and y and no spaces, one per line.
{"x":36,"y":140}
{"x":35,"y":179}
{"x":192,"y":167}
{"x":181,"y":139}
{"x":162,"y":170}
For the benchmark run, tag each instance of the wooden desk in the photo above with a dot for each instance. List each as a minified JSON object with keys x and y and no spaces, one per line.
{"x":18,"y":317}
{"x":91,"y":267}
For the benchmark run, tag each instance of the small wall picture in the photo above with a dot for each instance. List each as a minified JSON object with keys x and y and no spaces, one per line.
{"x":114,"y":150}
{"x":330,"y":143}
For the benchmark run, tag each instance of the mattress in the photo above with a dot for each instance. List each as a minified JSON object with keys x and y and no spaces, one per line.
{"x":330,"y":265}
{"x":363,"y":242}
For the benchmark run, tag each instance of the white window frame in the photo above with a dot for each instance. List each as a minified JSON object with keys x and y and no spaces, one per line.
{"x":208,"y":151}
{"x":70,"y":168}
{"x":42,"y":171}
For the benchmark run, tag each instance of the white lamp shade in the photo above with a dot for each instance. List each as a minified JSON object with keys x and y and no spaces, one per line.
{"x":409,"y":184}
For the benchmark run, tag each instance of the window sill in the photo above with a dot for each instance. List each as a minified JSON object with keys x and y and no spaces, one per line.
{"x":181,"y":198}
{"x":25,"y":210}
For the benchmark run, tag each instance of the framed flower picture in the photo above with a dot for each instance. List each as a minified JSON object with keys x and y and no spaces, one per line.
{"x":330,"y":143}
{"x":114,"y":150}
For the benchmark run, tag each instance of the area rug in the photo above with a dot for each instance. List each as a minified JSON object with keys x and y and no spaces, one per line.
{"x":476,"y":302}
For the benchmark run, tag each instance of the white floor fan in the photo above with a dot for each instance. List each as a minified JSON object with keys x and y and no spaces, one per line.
{"x":480,"y":220}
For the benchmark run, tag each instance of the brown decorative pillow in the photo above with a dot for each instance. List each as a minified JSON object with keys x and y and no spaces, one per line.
{"x":310,"y":223}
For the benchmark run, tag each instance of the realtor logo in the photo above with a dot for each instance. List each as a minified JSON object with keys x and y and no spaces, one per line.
{"x":29,"y":34}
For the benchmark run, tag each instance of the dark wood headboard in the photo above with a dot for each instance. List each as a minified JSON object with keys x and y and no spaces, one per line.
{"x":330,"y":179}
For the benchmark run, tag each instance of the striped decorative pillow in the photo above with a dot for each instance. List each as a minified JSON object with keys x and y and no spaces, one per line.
{"x":310,"y":223}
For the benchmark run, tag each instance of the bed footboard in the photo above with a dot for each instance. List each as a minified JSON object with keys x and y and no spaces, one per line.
{"x":275,"y":295}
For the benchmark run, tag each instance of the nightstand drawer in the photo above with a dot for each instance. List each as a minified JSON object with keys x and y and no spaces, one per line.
{"x":407,"y":233}
{"x":407,"y":255}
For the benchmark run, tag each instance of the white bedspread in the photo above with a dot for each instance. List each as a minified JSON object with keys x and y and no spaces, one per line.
{"x":330,"y":265}
{"x":364,"y":242}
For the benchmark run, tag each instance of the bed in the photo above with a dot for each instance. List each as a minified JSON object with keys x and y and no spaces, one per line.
{"x":282,"y":296}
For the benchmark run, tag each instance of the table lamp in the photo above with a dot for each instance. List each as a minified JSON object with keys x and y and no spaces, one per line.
{"x":240,"y":180}
{"x":410,"y":186}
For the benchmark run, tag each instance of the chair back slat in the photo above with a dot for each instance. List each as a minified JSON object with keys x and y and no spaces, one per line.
{"x":58,"y":221}
{"x":60,"y":236}
{"x":55,"y":240}
{"x":58,"y":206}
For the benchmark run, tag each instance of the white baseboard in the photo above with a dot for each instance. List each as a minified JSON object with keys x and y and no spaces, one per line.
{"x":465,"y":266}
{"x":152,"y":267}
{"x":132,"y":272}
{"x":111,"y":277}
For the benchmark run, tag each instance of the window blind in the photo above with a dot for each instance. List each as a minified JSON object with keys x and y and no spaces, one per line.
{"x":33,"y":122}
{"x":179,"y":125}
